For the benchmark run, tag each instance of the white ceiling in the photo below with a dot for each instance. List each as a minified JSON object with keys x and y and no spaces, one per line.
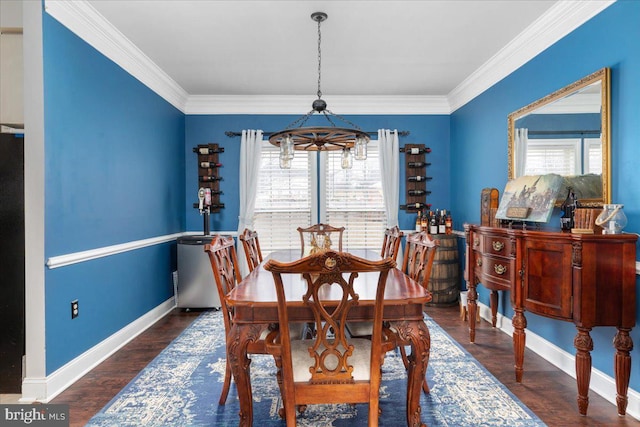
{"x":368,"y":47}
{"x":209,"y":52}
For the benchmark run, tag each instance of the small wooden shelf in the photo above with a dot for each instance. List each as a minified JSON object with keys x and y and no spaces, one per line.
{"x":209,"y":176}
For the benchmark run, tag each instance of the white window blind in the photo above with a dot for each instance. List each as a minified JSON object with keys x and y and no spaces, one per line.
{"x":288,"y":198}
{"x":560,"y":156}
{"x":283,"y":201}
{"x":352,"y":198}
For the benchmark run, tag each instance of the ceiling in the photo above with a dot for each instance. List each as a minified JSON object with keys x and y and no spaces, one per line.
{"x":368,"y":47}
{"x":261,"y":56}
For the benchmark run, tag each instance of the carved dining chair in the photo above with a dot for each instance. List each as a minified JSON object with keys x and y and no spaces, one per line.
{"x":224,"y":264}
{"x":391,"y":243}
{"x":331,"y":367}
{"x":418,"y":259}
{"x":251,"y":246}
{"x":318,"y":237}
{"x":420,"y":251}
{"x":390,"y":249}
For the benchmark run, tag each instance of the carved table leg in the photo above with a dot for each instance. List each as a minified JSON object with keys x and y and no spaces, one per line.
{"x":622,"y":368}
{"x":519,"y":323}
{"x":417,"y":333}
{"x":239,"y":337}
{"x":494,"y":308}
{"x":583,"y":344}
{"x":472,"y":307}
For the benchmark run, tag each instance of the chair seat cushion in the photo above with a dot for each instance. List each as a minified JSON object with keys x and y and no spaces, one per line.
{"x":360,"y":359}
{"x":360,"y":329}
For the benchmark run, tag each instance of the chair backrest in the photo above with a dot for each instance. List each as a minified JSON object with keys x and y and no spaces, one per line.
{"x":329,"y":353}
{"x":251,"y":246}
{"x":391,"y":243}
{"x":224,"y":264}
{"x":418,"y":257}
{"x":318,"y":238}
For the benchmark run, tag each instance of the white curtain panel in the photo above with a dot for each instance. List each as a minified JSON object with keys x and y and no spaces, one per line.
{"x":389,"y":149}
{"x":520,"y":144}
{"x":250,"y":149}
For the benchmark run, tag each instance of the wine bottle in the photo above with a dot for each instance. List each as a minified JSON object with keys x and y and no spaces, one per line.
{"x":413,"y":206}
{"x":442,"y":228}
{"x":419,"y":221}
{"x":433,"y":224}
{"x":208,"y":150}
{"x":424,"y":222}
{"x":210,"y":165}
{"x":418,"y":192}
{"x":448,"y":223}
{"x":418,"y":178}
{"x":417,"y":150}
{"x":209,"y":178}
{"x":566,"y":211}
{"x":417,"y":164}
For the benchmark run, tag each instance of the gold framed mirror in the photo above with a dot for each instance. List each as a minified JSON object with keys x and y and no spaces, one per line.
{"x":568,"y":133}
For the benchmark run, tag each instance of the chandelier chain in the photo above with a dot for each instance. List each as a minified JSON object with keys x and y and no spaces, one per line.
{"x":319,"y":59}
{"x":320,"y":138}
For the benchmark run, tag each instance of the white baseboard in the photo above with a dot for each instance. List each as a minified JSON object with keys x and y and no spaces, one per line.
{"x":601,"y":384}
{"x":45,"y":389}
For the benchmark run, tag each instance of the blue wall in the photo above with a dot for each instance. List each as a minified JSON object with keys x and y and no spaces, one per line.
{"x":120,"y":167}
{"x":432,"y":131}
{"x":114,"y":173}
{"x":479,"y":139}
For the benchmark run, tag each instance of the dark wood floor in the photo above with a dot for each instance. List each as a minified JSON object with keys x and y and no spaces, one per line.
{"x":546,"y":390}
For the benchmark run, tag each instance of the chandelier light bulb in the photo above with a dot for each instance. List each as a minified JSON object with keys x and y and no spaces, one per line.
{"x":361,"y":149}
{"x":347,"y":159}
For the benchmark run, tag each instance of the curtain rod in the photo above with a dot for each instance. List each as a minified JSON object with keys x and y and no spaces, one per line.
{"x":563,"y":132}
{"x":232,"y":134}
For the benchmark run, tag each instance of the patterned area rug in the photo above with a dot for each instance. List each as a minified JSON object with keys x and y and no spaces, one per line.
{"x":181,"y":387}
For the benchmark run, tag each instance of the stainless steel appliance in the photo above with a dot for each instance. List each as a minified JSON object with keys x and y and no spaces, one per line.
{"x":196,"y":285}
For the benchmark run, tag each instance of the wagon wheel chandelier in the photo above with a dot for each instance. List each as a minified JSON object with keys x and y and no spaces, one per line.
{"x":321,"y":138}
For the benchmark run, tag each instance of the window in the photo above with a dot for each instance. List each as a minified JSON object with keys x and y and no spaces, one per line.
{"x":593,"y":157}
{"x":289,"y":198}
{"x":285,"y":199}
{"x":561,"y":156}
{"x":353,"y":198}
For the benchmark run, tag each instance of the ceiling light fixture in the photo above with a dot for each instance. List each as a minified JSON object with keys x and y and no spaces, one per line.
{"x":321,"y":138}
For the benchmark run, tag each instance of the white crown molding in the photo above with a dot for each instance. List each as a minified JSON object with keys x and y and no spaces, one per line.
{"x":562,"y":18}
{"x":301,"y":104}
{"x":83,"y":20}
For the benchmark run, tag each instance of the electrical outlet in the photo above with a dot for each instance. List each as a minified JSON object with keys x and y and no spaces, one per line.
{"x":74,"y":309}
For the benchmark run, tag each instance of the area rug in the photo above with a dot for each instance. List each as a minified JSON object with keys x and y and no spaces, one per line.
{"x":181,"y":387}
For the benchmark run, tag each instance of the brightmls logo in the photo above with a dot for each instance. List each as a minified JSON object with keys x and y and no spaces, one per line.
{"x":34,"y":415}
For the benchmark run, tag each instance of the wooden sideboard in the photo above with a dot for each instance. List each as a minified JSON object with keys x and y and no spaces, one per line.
{"x":587,"y":279}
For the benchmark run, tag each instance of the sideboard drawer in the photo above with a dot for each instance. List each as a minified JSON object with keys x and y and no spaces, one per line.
{"x":497,"y":245}
{"x":495,"y":272}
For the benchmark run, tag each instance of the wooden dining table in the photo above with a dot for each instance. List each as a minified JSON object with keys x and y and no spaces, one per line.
{"x":255,"y":307}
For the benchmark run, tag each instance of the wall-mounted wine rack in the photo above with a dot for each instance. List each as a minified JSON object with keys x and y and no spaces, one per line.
{"x":416,"y":177}
{"x":209,"y":173}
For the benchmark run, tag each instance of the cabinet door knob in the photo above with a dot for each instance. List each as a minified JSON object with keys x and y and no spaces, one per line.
{"x":476,"y":243}
{"x":500,"y":269}
{"x":497,"y":246}
{"x":479,"y":262}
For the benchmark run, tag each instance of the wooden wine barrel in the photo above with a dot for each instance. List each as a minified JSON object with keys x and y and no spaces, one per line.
{"x":444,"y":283}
